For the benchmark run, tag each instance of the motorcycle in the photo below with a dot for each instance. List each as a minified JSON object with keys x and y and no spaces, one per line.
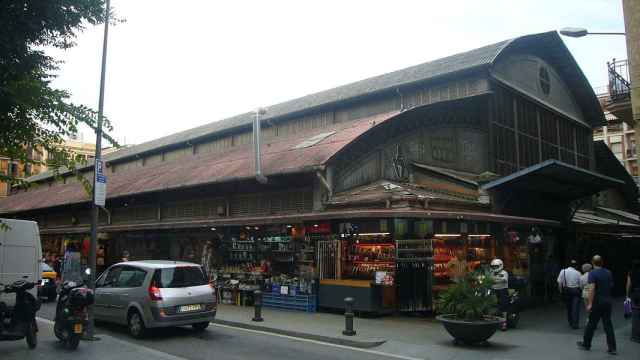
{"x":20,"y":323}
{"x":72,"y":315}
{"x":513,"y":309}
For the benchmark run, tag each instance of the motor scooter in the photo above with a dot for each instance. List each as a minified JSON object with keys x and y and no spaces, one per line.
{"x":72,"y":315}
{"x":20,"y":322}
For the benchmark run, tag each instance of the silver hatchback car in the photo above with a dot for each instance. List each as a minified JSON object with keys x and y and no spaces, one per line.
{"x":155,"y":293}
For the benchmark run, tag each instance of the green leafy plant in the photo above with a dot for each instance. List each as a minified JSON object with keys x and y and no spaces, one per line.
{"x":34,"y":116}
{"x":469,"y":299}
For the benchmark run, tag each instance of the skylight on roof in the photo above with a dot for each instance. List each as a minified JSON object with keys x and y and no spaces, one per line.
{"x":313,"y":140}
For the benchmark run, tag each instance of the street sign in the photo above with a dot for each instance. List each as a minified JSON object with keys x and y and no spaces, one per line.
{"x":100,"y":184}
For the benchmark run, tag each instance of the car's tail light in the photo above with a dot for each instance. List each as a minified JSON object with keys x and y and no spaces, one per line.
{"x":154,"y":292}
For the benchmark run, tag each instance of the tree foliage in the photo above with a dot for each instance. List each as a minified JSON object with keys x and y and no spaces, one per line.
{"x":33,"y":115}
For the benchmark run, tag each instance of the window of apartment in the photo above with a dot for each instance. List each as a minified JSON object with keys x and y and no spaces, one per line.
{"x":13,"y":169}
{"x":614,"y":127}
{"x":616,"y":148}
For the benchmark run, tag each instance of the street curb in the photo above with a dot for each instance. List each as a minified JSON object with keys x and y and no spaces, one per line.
{"x":361,"y":344}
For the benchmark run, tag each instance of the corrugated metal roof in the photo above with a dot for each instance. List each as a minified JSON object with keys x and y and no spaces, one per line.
{"x":278,"y":157}
{"x":429,"y":70}
{"x":548,"y":43}
{"x":588,"y":217}
{"x":383,"y":190}
{"x":621,"y":213}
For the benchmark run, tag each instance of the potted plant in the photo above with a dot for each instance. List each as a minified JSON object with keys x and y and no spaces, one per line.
{"x":468,"y":309}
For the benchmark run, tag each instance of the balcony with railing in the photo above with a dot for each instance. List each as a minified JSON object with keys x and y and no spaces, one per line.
{"x":619,"y":85}
{"x":619,"y":101}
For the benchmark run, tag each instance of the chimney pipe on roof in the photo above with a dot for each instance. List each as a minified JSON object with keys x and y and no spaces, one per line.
{"x":256,"y":145}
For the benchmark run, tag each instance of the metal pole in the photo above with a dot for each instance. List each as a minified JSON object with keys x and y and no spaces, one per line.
{"x":606,"y":33}
{"x":257,"y":303}
{"x":348,"y":317}
{"x":94,"y":207}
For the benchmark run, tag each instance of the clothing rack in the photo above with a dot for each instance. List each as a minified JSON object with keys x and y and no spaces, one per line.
{"x":329,"y":259}
{"x":414,"y":267}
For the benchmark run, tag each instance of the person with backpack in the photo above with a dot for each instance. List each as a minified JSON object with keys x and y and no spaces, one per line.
{"x":633,"y":293}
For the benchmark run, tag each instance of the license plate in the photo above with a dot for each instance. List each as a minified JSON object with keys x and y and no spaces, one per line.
{"x":188,"y":308}
{"x":77,"y":328}
{"x":44,"y":281}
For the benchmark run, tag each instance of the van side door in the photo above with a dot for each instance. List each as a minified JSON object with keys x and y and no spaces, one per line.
{"x":21,"y":255}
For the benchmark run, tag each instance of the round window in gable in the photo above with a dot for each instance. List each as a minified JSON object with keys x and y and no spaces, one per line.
{"x":545,"y":82}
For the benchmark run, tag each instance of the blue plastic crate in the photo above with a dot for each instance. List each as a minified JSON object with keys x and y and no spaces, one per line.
{"x":306,"y":303}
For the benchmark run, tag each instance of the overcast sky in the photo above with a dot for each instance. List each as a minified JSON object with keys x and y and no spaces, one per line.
{"x":175,"y":65}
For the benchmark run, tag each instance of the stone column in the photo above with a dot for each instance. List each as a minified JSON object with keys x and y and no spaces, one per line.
{"x":631,"y":10}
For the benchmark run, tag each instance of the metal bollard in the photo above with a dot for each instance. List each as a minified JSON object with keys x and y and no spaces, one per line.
{"x":257,"y":302}
{"x":348,"y":317}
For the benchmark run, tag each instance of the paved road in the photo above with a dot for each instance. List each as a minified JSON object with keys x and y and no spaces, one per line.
{"x":220,"y":342}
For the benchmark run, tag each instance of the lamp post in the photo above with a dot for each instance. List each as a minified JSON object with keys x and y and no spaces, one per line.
{"x":580,"y":32}
{"x":96,"y":175}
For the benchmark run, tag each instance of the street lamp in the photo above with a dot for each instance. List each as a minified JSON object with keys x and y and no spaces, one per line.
{"x":580,"y":32}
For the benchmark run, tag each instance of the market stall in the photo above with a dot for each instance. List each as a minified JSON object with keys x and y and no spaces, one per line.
{"x":276,"y":259}
{"x":358,"y":263}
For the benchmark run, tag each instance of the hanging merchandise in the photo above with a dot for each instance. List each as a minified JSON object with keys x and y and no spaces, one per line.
{"x":511,"y":236}
{"x":413,"y":275}
{"x":535,"y":237}
{"x":328,"y":259}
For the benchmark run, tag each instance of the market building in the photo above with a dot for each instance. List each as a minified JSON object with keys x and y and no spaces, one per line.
{"x":387,"y":189}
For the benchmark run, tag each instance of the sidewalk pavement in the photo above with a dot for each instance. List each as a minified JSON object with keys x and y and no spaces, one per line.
{"x":107,"y":348}
{"x":542,"y":333}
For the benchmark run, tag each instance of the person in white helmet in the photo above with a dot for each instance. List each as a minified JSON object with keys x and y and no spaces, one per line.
{"x":501,"y":288}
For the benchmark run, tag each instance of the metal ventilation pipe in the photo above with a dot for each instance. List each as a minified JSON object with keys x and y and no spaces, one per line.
{"x":256,"y":145}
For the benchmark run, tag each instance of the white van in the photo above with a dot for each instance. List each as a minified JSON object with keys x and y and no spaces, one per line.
{"x":20,"y":255}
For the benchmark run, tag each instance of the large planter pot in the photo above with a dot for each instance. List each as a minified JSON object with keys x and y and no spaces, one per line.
{"x":470,"y":332}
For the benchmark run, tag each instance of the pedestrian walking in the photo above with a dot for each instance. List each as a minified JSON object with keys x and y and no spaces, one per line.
{"x":633,"y":293}
{"x":586,"y":287}
{"x":599,"y":305}
{"x":569,"y":286}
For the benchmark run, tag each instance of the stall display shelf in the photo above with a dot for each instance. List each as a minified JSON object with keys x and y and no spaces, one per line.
{"x":374,"y":262}
{"x":306,"y":303}
{"x":374,"y":245}
{"x":414,"y":259}
{"x":427,"y":250}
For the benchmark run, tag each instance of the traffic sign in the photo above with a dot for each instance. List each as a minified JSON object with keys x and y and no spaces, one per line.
{"x":100,"y":184}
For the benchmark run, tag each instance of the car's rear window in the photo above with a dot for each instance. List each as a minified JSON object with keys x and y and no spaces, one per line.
{"x":178,"y":277}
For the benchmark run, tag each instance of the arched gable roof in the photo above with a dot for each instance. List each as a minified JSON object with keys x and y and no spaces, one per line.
{"x":550,"y":47}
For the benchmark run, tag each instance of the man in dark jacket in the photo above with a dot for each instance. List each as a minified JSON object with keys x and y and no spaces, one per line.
{"x":599,"y":305}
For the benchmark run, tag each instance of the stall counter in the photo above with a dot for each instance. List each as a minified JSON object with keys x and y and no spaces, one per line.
{"x":369,"y":297}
